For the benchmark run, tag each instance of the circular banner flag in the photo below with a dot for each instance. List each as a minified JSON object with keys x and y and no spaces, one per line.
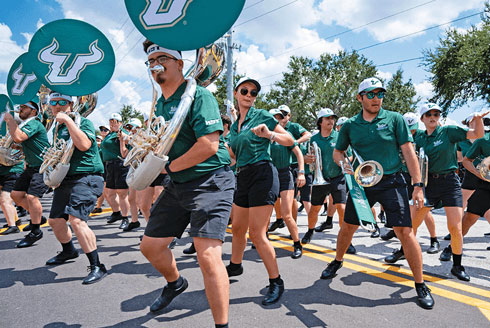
{"x":72,"y":57}
{"x":183,"y":24}
{"x":6,"y":106}
{"x":22,"y":83}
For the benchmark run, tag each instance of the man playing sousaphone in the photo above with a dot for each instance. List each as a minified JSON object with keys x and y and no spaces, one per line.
{"x":30,"y":185}
{"x":200,"y":191}
{"x":77,"y":194}
{"x":378,"y":134}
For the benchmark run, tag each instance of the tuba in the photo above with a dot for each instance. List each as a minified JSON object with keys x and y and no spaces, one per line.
{"x":484,"y":168}
{"x":150,"y":146}
{"x":56,"y":159}
{"x":316,"y":167}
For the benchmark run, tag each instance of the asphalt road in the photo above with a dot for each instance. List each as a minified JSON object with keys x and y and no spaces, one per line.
{"x":366,"y":292}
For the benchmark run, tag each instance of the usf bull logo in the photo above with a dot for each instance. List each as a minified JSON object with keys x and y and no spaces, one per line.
{"x":59,"y":74}
{"x":21,"y":80}
{"x":163,"y":13}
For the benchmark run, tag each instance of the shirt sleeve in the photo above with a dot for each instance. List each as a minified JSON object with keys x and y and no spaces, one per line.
{"x":456,"y":133}
{"x":87,"y":127}
{"x":475,"y":150}
{"x":205,"y":117}
{"x":343,"y":140}
{"x":31,"y":128}
{"x":299,"y":130}
{"x":403,"y":134}
{"x":268,"y":119}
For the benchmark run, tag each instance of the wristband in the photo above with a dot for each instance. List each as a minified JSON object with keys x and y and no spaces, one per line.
{"x":418,"y":184}
{"x":301,"y":171}
{"x":167,"y":168}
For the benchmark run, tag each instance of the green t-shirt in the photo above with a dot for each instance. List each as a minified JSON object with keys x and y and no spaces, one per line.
{"x":35,"y":144}
{"x":330,"y":169}
{"x":202,"y":119}
{"x":248,"y":147}
{"x":441,"y":147}
{"x":110,"y":147}
{"x":83,"y":161}
{"x":378,"y":140}
{"x":281,"y":155}
{"x":296,"y":130}
{"x":479,"y":150}
{"x":464,"y":146}
{"x":17,"y":168}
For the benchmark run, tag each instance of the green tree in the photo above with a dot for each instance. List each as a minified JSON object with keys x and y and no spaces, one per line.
{"x":400,"y":96}
{"x":460,"y":66}
{"x":128,"y":112}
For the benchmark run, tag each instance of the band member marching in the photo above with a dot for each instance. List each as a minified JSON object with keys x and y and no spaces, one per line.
{"x":200,"y":191}
{"x":443,"y":186}
{"x":30,"y":185}
{"x":77,"y":195}
{"x":378,"y":134}
{"x":8,"y":176}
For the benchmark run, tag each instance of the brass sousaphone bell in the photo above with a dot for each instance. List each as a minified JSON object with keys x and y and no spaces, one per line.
{"x":484,"y":168}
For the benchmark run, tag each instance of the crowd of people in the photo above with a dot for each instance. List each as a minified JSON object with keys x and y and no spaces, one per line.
{"x":239,"y":170}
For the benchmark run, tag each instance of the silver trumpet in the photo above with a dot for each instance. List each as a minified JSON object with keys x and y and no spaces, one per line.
{"x":368,"y":173}
{"x":317,"y":166}
{"x":484,"y":168}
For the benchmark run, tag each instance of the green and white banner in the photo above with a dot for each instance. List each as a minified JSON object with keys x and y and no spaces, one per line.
{"x":22,"y":83}
{"x":6,"y":106}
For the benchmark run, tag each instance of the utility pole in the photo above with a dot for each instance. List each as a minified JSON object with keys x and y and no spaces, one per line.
{"x":229,"y":74}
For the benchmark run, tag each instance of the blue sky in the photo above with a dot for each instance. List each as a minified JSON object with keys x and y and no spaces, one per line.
{"x":265,"y":30}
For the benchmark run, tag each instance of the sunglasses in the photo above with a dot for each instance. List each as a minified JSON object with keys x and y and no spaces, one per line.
{"x":370,"y":94}
{"x":160,"y":60}
{"x":103,"y":130}
{"x":62,"y":102}
{"x":435,"y":114}
{"x":128,"y":127}
{"x":244,"y":91}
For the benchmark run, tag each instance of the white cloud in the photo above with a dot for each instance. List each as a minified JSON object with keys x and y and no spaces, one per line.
{"x":3,"y":88}
{"x":39,"y":23}
{"x":424,"y":90}
{"x":9,"y":49}
{"x":384,"y":75}
{"x":354,"y":13}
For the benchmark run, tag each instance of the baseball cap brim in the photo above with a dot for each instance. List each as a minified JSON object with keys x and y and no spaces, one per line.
{"x":246,"y":79}
{"x":373,"y":88}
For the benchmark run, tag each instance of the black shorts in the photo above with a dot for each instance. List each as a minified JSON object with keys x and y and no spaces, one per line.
{"x":479,"y":202}
{"x":335,"y":186}
{"x":205,"y":203}
{"x":391,"y":193}
{"x":294,"y":170}
{"x":76,"y":196}
{"x":104,"y":175}
{"x":408,"y":180}
{"x":116,"y":174}
{"x":31,"y":182}
{"x":7,"y":181}
{"x":285,"y":179}
{"x":444,"y":190}
{"x":159,"y":181}
{"x":305,"y":191}
{"x":257,"y":185}
{"x":470,"y":181}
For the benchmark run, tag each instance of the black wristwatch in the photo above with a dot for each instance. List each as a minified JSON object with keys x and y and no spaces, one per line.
{"x":418,"y":184}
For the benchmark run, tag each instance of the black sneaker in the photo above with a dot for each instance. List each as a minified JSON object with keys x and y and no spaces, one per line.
{"x":132,"y":225}
{"x":376,"y":233}
{"x":97,"y":210}
{"x":124,"y":223}
{"x":190,"y":250}
{"x":434,"y":248}
{"x":276,"y":224}
{"x":307,"y":237}
{"x":273,"y":293}
{"x":301,"y":208}
{"x":446,"y":254}
{"x":331,"y":269}
{"x":447,"y":237}
{"x":29,"y":226}
{"x":424,"y":298}
{"x":62,"y":257}
{"x":97,"y":272}
{"x":351,"y":249}
{"x":460,"y":273}
{"x":9,"y":230}
{"x":21,"y":212}
{"x":30,"y":239}
{"x":325,"y":225}
{"x":236,"y":272}
{"x":168,"y":294}
{"x":297,"y":252}
{"x":114,"y":217}
{"x":172,"y":243}
{"x":397,"y":255}
{"x":389,"y":235}
{"x":324,"y":213}
{"x":382,"y":217}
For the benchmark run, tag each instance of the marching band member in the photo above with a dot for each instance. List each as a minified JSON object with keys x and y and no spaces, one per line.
{"x":281,"y":158}
{"x":440,"y":143}
{"x":200,"y":190}
{"x":104,"y":131}
{"x":30,"y":185}
{"x":257,"y":185}
{"x":8,"y":176}
{"x":76,"y":196}
{"x":116,"y":187}
{"x":378,"y":134}
{"x":331,"y":172}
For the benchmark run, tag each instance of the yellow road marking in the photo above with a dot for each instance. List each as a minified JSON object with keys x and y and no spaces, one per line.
{"x":485,"y":312}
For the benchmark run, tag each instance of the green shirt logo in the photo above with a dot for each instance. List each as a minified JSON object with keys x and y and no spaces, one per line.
{"x":437,"y":143}
{"x":162,"y":13}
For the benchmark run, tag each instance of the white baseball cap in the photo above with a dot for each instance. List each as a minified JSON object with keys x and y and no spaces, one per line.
{"x":135,"y":122}
{"x":428,"y":107}
{"x":370,"y":84}
{"x":325,"y":112}
{"x":247,"y":79}
{"x":116,"y":116}
{"x":342,"y":120}
{"x":412,"y":120}
{"x":284,"y":108}
{"x":276,"y":111}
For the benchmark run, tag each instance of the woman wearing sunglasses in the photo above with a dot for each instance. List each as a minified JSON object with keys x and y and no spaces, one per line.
{"x":443,"y":187}
{"x":257,"y":182}
{"x":104,"y":131}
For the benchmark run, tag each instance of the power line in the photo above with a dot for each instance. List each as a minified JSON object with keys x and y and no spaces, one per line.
{"x":400,"y":61}
{"x":253,"y":5}
{"x":268,"y":12}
